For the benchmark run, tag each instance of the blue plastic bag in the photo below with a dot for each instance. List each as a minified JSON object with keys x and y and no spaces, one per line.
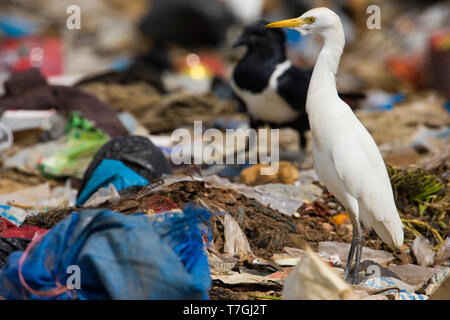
{"x":118,"y":257}
{"x":110,"y":171}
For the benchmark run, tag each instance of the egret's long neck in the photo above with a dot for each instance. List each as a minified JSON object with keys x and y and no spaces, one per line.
{"x":323,"y":81}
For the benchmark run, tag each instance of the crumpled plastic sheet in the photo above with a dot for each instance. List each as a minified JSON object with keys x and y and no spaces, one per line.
{"x":235,"y":240}
{"x":285,"y":205}
{"x":103,"y":195}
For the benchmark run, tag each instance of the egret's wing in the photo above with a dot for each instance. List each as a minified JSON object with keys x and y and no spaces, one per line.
{"x":362,"y":171}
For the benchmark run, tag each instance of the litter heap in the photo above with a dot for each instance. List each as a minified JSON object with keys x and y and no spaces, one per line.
{"x":252,"y":247}
{"x":91,"y":207}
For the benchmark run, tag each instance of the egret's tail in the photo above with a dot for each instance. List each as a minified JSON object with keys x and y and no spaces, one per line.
{"x":390,"y":232}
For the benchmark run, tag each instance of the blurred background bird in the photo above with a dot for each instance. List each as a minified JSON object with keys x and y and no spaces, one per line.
{"x":271,"y":87}
{"x":273,"y":90}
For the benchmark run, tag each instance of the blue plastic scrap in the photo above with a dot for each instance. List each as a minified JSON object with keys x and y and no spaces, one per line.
{"x":15,"y":26}
{"x":117,"y":256}
{"x":405,"y":295}
{"x":110,"y":171}
{"x":13,"y":214}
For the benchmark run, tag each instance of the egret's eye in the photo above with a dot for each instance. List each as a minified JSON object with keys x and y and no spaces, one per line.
{"x":310,"y":19}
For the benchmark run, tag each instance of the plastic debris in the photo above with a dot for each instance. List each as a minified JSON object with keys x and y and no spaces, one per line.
{"x":28,"y":195}
{"x":236,"y":242}
{"x":102,"y":195}
{"x":443,"y":291}
{"x":16,"y":26}
{"x":27,"y":159}
{"x":384,"y":283}
{"x":26,"y":52}
{"x":6,"y":137}
{"x":13,"y":214}
{"x":29,"y":90}
{"x":422,"y":251}
{"x":220,"y":264}
{"x":10,"y":230}
{"x":305,"y":192}
{"x":341,"y":249}
{"x":110,"y":172}
{"x":136,"y":153}
{"x":76,"y":150}
{"x":409,"y":296}
{"x":381,"y":101}
{"x":287,"y":206}
{"x":9,"y":245}
{"x":444,"y":251}
{"x":236,"y":278}
{"x":104,"y":246}
{"x":119,"y":83}
{"x":285,"y":260}
{"x":313,"y":279}
{"x":413,"y":274}
{"x":40,"y":197}
{"x":283,"y":204}
{"x":20,"y":120}
{"x":437,"y":281}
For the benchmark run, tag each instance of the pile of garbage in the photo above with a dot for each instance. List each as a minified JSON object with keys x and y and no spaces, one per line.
{"x":93,"y":207}
{"x":244,"y":240}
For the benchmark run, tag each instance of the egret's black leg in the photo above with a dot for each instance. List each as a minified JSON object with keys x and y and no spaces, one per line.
{"x":350,"y":257}
{"x":358,"y":259}
{"x":357,"y":243}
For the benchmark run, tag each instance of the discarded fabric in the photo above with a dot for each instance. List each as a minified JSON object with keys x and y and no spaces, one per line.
{"x":117,"y":257}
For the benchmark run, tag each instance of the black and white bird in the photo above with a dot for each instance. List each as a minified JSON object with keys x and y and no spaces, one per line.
{"x":272,"y":88}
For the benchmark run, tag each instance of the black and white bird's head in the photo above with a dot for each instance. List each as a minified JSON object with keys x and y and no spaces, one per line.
{"x":257,"y":36}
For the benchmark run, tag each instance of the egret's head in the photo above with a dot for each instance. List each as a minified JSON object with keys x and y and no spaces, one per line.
{"x":318,"y":20}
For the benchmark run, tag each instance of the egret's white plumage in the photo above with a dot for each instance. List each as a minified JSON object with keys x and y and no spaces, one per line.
{"x":345,"y":156}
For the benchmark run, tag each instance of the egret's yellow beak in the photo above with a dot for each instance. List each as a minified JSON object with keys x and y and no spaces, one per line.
{"x":289,"y":23}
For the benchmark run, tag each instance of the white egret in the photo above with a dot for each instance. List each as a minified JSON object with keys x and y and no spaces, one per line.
{"x":345,"y":155}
